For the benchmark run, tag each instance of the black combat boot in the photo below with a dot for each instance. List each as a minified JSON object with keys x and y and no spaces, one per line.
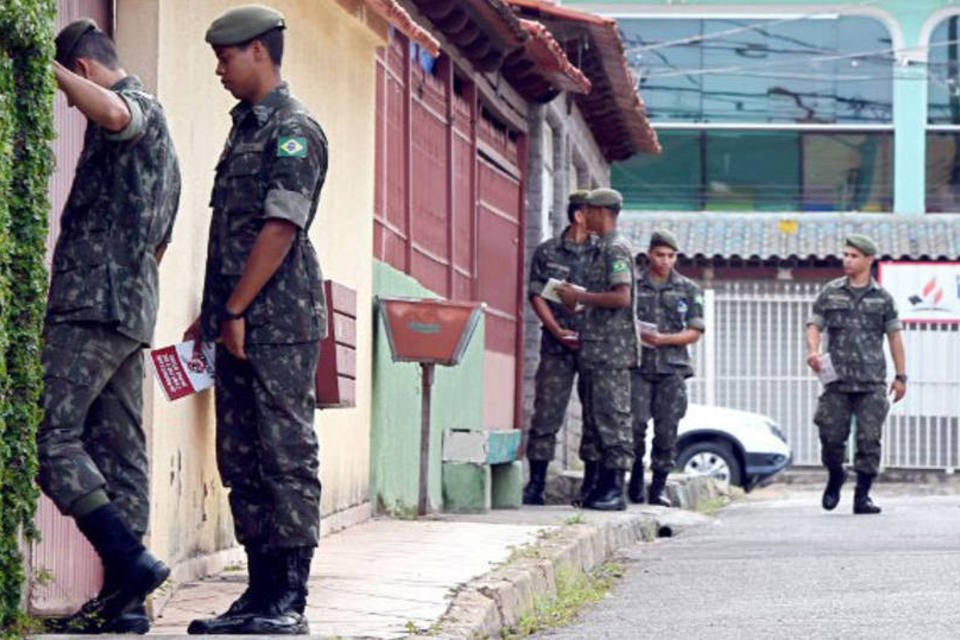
{"x":635,"y":488}
{"x":282,"y":611}
{"x":130,"y":574}
{"x":608,"y":494}
{"x":862,"y":504}
{"x":831,"y":495}
{"x":657,"y":486}
{"x":133,"y":622}
{"x":533,"y":492}
{"x":250,"y":602}
{"x":590,"y":472}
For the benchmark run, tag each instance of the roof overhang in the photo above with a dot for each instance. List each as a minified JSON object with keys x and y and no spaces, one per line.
{"x":613,"y":107}
{"x":798,"y":236}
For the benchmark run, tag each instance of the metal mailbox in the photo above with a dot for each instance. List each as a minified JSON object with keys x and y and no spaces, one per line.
{"x":429,"y":332}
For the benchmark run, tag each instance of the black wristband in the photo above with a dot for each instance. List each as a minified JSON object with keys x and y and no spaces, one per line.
{"x":230,"y":315}
{"x":901,"y":377}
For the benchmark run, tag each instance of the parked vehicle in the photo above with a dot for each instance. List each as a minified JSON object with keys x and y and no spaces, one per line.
{"x":738,"y":447}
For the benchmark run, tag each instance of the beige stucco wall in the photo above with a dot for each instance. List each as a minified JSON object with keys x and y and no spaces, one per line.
{"x":329,"y":63}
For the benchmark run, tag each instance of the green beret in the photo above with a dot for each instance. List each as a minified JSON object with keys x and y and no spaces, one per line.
{"x":603,"y":197}
{"x":243,"y":24}
{"x":70,"y":35}
{"x":578,"y":197}
{"x":663,"y":238}
{"x":863,"y":243}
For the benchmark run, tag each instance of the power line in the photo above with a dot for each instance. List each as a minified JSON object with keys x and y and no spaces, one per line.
{"x":753,"y":27}
{"x":830,"y":58}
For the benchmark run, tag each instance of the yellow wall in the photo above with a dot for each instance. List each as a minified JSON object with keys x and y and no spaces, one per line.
{"x":329,"y":63}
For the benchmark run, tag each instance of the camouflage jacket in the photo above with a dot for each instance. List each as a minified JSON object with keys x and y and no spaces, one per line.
{"x":272,"y":168}
{"x":564,"y":260}
{"x":608,"y":336}
{"x":855,"y":323}
{"x":674,"y":305}
{"x":120,"y":210}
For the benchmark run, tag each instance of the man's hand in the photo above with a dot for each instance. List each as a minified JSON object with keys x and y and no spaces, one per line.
{"x":569,"y":295}
{"x":569,"y":339}
{"x":654,"y":339}
{"x":898,"y":390}
{"x":813,"y":360}
{"x":232,"y":335}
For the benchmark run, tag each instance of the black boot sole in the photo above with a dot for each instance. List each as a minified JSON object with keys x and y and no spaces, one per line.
{"x":287,"y":624}
{"x":223,"y":625}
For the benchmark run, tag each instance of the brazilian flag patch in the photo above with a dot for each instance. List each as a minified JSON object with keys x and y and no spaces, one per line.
{"x":292,"y":147}
{"x":619,"y":266}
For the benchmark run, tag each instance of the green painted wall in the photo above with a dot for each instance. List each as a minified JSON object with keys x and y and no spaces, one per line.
{"x":457,"y":401}
{"x":906,"y":19}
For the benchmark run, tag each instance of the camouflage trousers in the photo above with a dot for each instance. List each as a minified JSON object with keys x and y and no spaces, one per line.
{"x":267,"y":449}
{"x":552,"y":387}
{"x":92,"y":435}
{"x":834,"y":410}
{"x":663,"y":398}
{"x":607,"y":429}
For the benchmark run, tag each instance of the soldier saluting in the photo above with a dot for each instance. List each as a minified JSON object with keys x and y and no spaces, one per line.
{"x":856,"y":313}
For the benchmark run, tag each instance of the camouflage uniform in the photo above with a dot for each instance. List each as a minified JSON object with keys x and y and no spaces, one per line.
{"x":564,"y":260}
{"x":272,"y":168}
{"x":658,"y":387}
{"x":102,"y":308}
{"x":855,"y":322}
{"x":608,"y":351}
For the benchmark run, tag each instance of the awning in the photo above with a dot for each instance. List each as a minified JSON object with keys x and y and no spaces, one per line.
{"x":803,"y":236}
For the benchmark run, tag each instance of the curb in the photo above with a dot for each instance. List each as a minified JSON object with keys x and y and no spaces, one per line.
{"x":497,"y":600}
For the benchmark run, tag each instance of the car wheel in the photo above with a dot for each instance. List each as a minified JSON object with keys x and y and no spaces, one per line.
{"x":711,"y":458}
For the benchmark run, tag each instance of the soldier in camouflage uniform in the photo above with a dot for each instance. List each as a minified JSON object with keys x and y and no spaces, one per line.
{"x":675,"y":305}
{"x":563,"y":258}
{"x":608,"y":350}
{"x":856,"y":314}
{"x":101,"y":312}
{"x":263,"y":302}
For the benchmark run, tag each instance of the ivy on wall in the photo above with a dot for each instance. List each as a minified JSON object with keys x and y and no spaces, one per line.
{"x":26,"y":128}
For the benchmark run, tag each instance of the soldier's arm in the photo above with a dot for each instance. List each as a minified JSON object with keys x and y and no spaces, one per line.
{"x":813,"y":347}
{"x":897,"y":352}
{"x":620,"y":294}
{"x":104,"y":107}
{"x":549,"y":321}
{"x":618,"y":297}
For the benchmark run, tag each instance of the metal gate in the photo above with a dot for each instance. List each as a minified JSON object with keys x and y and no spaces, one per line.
{"x":753,"y":357}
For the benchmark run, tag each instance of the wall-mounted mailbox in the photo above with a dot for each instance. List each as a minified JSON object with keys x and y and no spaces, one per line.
{"x":336,"y":378}
{"x":429,"y":332}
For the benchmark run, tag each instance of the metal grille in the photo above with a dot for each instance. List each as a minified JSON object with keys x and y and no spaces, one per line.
{"x":753,"y":357}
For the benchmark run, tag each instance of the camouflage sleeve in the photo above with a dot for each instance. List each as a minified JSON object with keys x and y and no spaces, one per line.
{"x":619,"y":265}
{"x":695,"y":307}
{"x":817,"y":318}
{"x":139,"y":105}
{"x":891,"y":317}
{"x":538,"y":278}
{"x":299,"y":166}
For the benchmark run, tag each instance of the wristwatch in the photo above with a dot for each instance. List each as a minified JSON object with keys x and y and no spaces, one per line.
{"x":901,"y":377}
{"x":230,"y":315}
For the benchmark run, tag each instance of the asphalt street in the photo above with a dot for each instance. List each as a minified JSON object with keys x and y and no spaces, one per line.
{"x":776,"y":565}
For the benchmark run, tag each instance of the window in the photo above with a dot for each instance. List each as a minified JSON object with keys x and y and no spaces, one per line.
{"x":943,"y":118}
{"x":763,"y":114}
{"x":750,"y":170}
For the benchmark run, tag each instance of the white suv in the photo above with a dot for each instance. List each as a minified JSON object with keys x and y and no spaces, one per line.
{"x":738,"y":447}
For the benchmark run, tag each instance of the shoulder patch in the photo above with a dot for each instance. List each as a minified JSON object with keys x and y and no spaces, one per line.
{"x":292,"y":147}
{"x":619,"y":266}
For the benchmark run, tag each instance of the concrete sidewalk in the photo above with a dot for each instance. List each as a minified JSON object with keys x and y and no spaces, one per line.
{"x":454,"y":576}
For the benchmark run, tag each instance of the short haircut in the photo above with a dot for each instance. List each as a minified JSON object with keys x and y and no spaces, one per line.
{"x":572,"y":208}
{"x":97,"y":46}
{"x":272,"y":41}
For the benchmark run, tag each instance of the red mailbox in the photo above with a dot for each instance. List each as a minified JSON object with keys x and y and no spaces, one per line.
{"x":430,"y":332}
